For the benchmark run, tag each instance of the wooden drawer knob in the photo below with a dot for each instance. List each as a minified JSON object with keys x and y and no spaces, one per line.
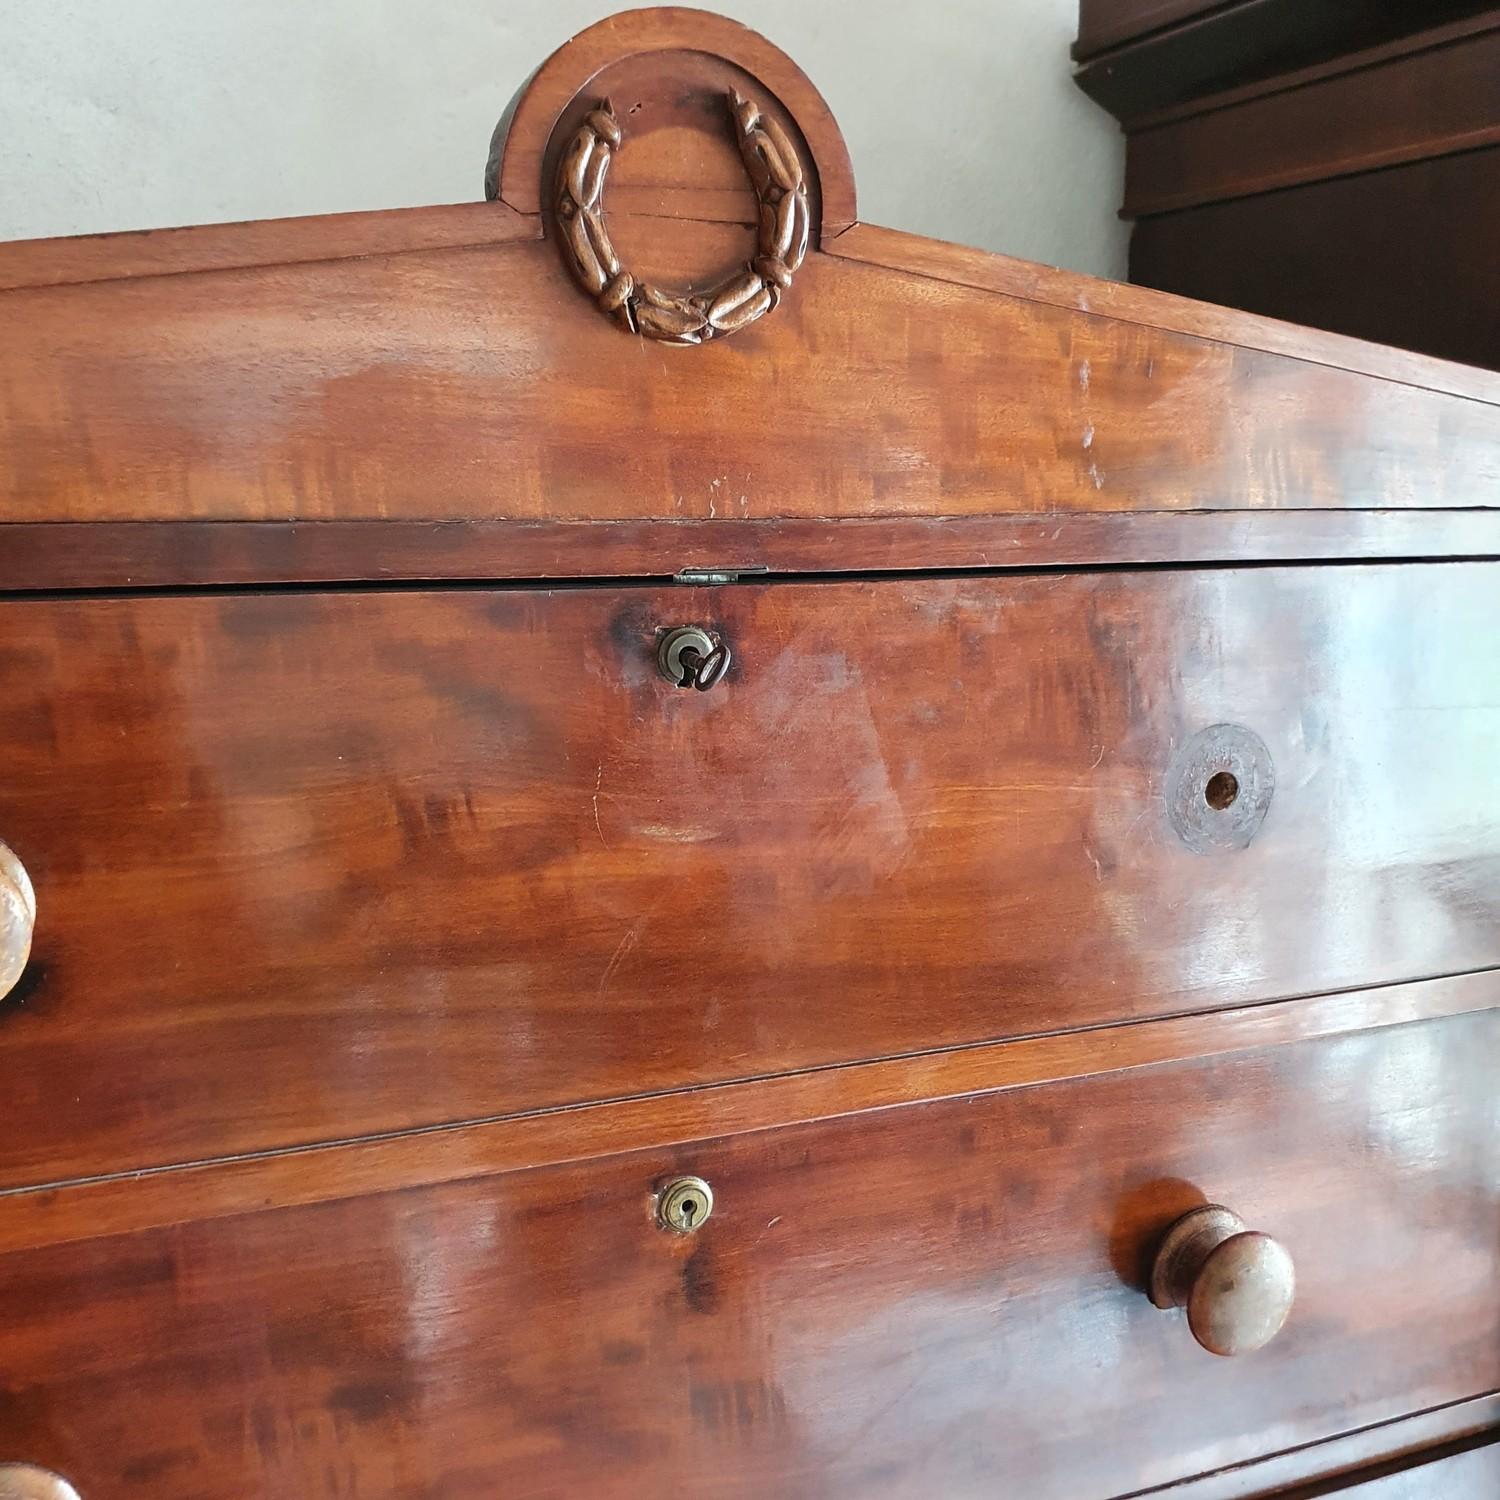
{"x":1236,"y":1284}
{"x":27,"y":1482}
{"x":17,"y":919}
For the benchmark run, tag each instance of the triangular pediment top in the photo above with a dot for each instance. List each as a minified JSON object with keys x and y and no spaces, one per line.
{"x":736,"y":348}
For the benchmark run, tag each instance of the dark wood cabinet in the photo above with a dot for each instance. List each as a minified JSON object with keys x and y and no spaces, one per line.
{"x":706,"y":849}
{"x":889,"y":1274}
{"x":1335,"y":165}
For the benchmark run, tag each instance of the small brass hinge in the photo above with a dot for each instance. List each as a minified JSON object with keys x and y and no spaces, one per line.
{"x":701,"y":576}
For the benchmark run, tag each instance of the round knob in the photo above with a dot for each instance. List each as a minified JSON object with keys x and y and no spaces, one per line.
{"x":17,"y":919}
{"x":27,"y":1482}
{"x":1236,"y":1284}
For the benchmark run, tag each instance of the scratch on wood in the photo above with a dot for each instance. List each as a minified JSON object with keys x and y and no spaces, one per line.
{"x":622,"y":951}
{"x":599,"y":782}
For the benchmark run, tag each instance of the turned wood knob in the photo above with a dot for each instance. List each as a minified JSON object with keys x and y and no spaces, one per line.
{"x":1236,"y":1284}
{"x":27,"y":1482}
{"x":17,"y":919}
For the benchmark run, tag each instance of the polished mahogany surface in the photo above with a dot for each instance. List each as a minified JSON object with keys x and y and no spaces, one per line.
{"x":317,"y":865}
{"x":946,"y":1298}
{"x":127,"y":1203}
{"x":153,"y":554}
{"x":1095,"y":824}
{"x":296,"y":393}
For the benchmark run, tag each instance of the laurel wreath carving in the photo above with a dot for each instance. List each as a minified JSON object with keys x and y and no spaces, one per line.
{"x":780,"y":184}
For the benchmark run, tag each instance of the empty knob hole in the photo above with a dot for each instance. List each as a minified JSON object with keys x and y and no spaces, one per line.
{"x":1223,"y":787}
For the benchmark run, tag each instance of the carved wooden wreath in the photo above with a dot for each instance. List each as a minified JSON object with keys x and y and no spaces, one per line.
{"x":780,"y":185}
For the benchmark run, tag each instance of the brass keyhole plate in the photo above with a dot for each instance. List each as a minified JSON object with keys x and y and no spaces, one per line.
{"x":684,"y":1205}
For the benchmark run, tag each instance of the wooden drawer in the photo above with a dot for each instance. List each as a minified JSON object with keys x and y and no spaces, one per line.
{"x":942,"y":1299}
{"x":1473,"y":1474}
{"x":316,"y":865}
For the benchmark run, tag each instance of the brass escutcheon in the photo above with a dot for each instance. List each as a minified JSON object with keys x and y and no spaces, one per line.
{"x":684,"y":1205}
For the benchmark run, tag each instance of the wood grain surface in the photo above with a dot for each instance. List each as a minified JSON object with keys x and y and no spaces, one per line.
{"x":481,"y":383}
{"x":1473,"y":1474}
{"x":1148,"y":307}
{"x":197,"y":248}
{"x":394,"y":232}
{"x":1424,"y":96}
{"x":936,"y":1300}
{"x":1364,"y":1455}
{"x":74,"y":555}
{"x":1103,"y":24}
{"x":129,"y":1202}
{"x":315,"y":865}
{"x":396,"y":945}
{"x":1193,"y":57}
{"x":1288,"y":254}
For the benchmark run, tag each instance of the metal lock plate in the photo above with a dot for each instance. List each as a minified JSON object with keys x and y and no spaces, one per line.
{"x":684,"y":1205}
{"x":673,"y":644}
{"x":690,"y":657}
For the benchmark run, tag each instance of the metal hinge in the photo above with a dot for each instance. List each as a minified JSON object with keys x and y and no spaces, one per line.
{"x":701,"y":576}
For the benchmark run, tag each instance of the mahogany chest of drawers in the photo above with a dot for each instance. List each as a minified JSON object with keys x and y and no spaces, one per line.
{"x":656,"y":842}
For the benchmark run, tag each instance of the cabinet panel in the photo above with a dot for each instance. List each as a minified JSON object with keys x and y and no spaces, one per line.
{"x":317,"y":865}
{"x":944,"y":1299}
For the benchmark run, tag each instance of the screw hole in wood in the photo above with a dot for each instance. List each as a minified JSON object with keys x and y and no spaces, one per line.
{"x":1223,"y":787}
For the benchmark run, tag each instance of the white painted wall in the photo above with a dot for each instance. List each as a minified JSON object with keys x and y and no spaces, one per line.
{"x":129,"y":114}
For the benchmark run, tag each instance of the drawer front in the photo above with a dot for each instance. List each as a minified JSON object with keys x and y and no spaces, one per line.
{"x":1471,"y":1475}
{"x":942,"y":1299}
{"x":315,"y":865}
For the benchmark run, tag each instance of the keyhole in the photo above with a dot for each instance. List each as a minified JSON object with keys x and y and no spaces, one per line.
{"x":685,"y":1204}
{"x":689,"y":659}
